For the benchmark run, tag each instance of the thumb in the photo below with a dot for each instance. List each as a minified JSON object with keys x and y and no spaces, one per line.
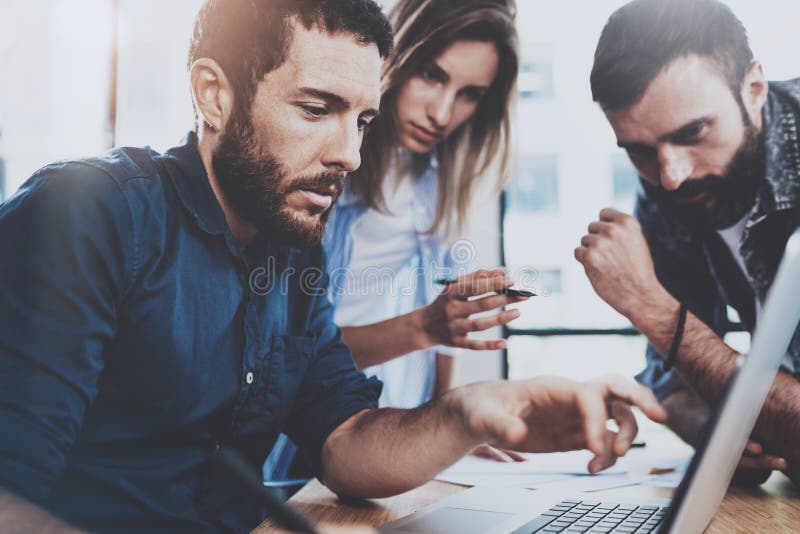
{"x":506,"y":429}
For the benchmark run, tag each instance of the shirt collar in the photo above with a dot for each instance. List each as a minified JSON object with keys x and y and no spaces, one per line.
{"x":781,"y":189}
{"x":429,"y":174}
{"x":189,"y":175}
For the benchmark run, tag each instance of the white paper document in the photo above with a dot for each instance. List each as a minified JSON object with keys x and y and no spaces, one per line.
{"x":588,"y":483}
{"x":537,"y":470}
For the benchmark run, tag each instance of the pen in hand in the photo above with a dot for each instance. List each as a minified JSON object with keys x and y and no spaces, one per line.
{"x":511,"y":292}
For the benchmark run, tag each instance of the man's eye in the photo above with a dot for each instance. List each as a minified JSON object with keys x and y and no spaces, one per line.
{"x":364,"y":126}
{"x":691,"y":133}
{"x":315,"y":111}
{"x":640,"y":153}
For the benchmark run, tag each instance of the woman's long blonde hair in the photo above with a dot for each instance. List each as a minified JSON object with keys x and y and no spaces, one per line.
{"x":423,"y":30}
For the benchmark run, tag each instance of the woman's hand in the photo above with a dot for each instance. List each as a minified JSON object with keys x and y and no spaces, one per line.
{"x":448,"y":319}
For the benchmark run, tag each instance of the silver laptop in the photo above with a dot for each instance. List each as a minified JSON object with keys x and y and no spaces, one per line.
{"x":503,"y":510}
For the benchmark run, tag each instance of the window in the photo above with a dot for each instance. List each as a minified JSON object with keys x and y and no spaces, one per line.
{"x":2,"y":175}
{"x":624,"y":176}
{"x":57,"y":53}
{"x":535,"y":187}
{"x":543,"y":282}
{"x":536,"y":79}
{"x":580,"y":357}
{"x":154,"y":98}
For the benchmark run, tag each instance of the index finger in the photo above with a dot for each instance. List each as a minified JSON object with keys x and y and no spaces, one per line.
{"x":753,"y":448}
{"x":594,"y":414}
{"x":479,"y":283}
{"x":636,"y":395}
{"x":611,"y":215}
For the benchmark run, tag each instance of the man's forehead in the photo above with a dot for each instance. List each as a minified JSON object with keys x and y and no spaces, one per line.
{"x":688,"y":88}
{"x":336,"y":63}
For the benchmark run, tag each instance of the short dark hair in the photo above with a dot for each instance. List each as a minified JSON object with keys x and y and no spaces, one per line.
{"x":644,"y":36}
{"x":250,"y":38}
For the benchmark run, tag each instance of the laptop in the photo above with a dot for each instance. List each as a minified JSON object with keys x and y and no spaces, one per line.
{"x":496,"y":510}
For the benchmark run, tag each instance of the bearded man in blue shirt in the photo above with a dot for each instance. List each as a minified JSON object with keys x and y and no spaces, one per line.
{"x":157,"y":309}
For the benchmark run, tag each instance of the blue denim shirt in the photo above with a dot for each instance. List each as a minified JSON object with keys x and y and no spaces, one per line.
{"x":698,"y":269}
{"x":136,"y":339}
{"x":435,"y":258}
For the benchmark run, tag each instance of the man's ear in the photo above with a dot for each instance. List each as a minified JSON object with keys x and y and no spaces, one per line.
{"x":754,"y":92}
{"x":212,"y":93}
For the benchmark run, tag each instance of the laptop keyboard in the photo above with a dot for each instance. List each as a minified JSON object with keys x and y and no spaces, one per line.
{"x":572,"y":515}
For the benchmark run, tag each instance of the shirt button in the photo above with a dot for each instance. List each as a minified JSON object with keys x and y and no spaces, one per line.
{"x":249,"y":378}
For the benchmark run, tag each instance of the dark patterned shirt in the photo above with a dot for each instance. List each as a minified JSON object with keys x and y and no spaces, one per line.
{"x":698,"y":268}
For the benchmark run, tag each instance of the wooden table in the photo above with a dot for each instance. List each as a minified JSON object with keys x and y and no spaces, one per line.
{"x":772,"y":507}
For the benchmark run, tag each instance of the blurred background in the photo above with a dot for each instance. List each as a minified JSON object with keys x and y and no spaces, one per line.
{"x":81,"y":76}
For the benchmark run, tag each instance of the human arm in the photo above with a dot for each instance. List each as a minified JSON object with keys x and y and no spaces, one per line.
{"x":377,"y":453}
{"x":64,"y":240}
{"x":617,"y":261}
{"x":444,"y":381}
{"x":445,"y":374}
{"x":20,"y":516}
{"x":688,"y":416}
{"x":446,"y":321}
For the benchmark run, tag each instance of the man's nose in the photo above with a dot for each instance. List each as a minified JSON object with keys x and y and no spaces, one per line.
{"x":343,"y":152}
{"x":675,"y":167}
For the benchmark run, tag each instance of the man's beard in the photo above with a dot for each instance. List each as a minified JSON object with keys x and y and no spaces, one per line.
{"x":730,"y":197}
{"x":255,"y":184}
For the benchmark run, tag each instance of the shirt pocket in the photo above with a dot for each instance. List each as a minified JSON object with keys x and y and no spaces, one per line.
{"x":283,"y":371}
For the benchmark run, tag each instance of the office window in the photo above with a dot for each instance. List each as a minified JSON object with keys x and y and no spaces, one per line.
{"x":576,"y":356}
{"x":543,"y":282}
{"x":624,"y":176}
{"x":2,"y":175}
{"x":536,"y":78}
{"x":535,"y":186}
{"x":55,"y":60}
{"x":154,"y":98}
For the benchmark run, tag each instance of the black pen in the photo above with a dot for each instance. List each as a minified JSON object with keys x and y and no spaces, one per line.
{"x":508,"y":291}
{"x":280,"y":512}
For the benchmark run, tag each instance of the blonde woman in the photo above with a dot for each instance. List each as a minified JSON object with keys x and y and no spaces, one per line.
{"x":444,"y":128}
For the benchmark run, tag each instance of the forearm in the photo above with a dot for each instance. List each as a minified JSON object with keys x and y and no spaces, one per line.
{"x":688,"y":414}
{"x":703,"y":359}
{"x":778,"y":426}
{"x":445,"y":374}
{"x":384,"y":452}
{"x":706,"y":362}
{"x":378,"y":343}
{"x":20,"y":516}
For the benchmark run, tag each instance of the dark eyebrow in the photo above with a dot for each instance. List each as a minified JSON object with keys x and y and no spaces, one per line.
{"x":683,"y":131}
{"x":483,"y":88}
{"x":678,"y":133}
{"x":629,"y":146}
{"x":438,"y":71}
{"x":335,"y":101}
